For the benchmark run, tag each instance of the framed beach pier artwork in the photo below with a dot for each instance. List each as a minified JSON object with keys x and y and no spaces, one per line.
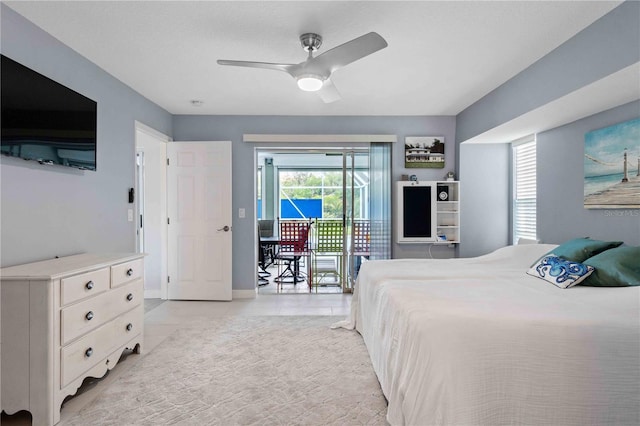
{"x":424,"y":152}
{"x":612,"y":167}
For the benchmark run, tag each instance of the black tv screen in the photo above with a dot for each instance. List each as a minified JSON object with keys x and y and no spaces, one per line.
{"x":44,"y":121}
{"x":416,"y":211}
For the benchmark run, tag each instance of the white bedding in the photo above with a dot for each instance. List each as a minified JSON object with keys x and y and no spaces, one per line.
{"x":478,"y":342}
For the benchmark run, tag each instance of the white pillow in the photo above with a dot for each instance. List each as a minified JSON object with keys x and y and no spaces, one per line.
{"x":560,"y":272}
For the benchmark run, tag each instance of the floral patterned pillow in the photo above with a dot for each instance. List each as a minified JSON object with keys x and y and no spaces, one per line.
{"x":560,"y":272}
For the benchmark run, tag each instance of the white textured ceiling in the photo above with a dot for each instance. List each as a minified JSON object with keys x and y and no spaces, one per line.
{"x":442,"y":55}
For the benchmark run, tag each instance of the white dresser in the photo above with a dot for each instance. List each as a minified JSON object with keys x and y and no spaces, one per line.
{"x":64,"y":320}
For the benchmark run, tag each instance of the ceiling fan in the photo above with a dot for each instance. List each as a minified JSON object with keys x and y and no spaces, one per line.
{"x":313,"y":75}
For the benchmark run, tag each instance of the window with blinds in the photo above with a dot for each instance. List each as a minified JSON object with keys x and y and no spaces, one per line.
{"x":524,"y":191}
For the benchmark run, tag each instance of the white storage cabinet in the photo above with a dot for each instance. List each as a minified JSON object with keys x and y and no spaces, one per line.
{"x":64,"y":320}
{"x":428,"y":212}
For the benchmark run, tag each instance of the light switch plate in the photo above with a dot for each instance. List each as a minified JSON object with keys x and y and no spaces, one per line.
{"x":241,"y":213}
{"x":130,"y":215}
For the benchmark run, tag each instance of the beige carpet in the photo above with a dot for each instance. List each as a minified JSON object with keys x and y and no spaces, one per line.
{"x":274,"y":370}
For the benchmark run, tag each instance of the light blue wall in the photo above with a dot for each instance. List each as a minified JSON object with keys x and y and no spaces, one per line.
{"x":608,"y":45}
{"x":53,"y":210}
{"x":211,"y":128}
{"x":560,"y":159}
{"x":484,"y":198}
{"x":49,"y":211}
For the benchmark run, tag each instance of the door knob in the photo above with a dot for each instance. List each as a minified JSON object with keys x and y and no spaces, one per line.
{"x":225,"y":228}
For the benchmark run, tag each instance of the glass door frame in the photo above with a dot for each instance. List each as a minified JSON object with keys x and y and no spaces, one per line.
{"x":347,"y":265}
{"x":348,"y":216}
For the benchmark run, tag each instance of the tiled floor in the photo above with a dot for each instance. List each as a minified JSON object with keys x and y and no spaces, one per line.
{"x":164,"y":318}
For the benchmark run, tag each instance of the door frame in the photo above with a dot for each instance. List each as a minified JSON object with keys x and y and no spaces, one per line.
{"x":159,"y":181}
{"x":345,"y":152}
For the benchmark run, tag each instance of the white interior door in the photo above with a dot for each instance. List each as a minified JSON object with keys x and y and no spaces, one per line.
{"x":200,"y":213}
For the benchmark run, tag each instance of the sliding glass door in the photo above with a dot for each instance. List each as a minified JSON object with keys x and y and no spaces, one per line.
{"x":329,"y":187}
{"x":367,"y":209}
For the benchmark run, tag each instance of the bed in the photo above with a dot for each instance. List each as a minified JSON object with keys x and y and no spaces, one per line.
{"x":477,"y":341}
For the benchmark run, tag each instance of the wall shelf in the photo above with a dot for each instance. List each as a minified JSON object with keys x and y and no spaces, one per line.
{"x":448,"y":212}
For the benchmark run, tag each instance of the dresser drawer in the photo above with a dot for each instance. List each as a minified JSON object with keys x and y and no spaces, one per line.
{"x":91,"y":349}
{"x":87,"y":315}
{"x":81,"y":286}
{"x":125,"y":272}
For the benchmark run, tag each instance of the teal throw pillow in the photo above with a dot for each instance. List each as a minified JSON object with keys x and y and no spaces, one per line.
{"x":580,"y":249}
{"x":618,"y":267}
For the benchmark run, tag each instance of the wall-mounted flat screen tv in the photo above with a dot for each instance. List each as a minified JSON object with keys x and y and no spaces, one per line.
{"x":44,"y":121}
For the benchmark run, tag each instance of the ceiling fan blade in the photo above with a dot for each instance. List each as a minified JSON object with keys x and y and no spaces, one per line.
{"x":346,"y":53}
{"x":329,"y":93}
{"x":249,"y":64}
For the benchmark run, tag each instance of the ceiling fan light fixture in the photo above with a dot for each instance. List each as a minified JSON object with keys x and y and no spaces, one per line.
{"x":310,"y":83}
{"x":314,"y":74}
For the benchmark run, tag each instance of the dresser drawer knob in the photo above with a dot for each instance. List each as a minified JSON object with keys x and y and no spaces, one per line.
{"x":129,"y":272}
{"x":89,"y":285}
{"x":130,"y":297}
{"x":89,"y":316}
{"x":88,"y":352}
{"x":129,"y":327}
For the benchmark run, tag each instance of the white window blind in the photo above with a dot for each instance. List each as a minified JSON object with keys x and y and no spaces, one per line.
{"x":524,"y":197}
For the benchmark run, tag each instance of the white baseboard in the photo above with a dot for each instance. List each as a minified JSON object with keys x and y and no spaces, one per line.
{"x":244,"y":294}
{"x":153,"y":294}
